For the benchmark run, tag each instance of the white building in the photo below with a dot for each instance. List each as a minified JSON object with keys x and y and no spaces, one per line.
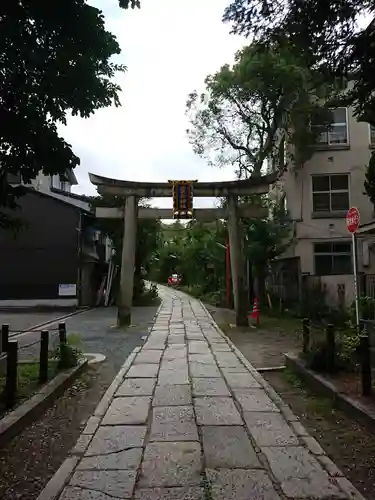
{"x":317,"y":197}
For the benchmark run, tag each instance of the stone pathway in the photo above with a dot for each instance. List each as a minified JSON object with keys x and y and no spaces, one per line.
{"x":188,"y":418}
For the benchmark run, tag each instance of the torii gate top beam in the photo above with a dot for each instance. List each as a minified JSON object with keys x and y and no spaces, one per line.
{"x":116,"y":187}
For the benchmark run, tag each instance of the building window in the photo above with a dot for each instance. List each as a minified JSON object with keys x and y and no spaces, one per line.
{"x":330,"y":193}
{"x":332,"y":258}
{"x":372,"y":135}
{"x":337,"y":132}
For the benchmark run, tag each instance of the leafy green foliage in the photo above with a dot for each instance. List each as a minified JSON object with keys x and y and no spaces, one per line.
{"x":69,"y":355}
{"x":147,"y":296}
{"x":367,"y":308}
{"x":55,"y":59}
{"x":331,"y":37}
{"x":197,"y":252}
{"x":326,"y":34}
{"x":249,"y":110}
{"x":346,"y":354}
{"x":130,"y":3}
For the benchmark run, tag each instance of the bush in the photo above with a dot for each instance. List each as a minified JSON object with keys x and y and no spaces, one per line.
{"x":217,"y":298}
{"x":193,"y":290}
{"x":367,"y":308}
{"x":69,"y":355}
{"x":149,"y":297}
{"x":347,"y":353}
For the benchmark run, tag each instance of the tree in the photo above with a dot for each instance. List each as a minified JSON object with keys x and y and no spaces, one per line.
{"x":265,"y":240}
{"x":249,"y":109}
{"x":196,"y":252}
{"x":55,"y":58}
{"x":130,"y":3}
{"x":327,"y":34}
{"x":247,"y":114}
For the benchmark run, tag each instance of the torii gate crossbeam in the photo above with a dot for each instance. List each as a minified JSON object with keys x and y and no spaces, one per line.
{"x":133,"y":191}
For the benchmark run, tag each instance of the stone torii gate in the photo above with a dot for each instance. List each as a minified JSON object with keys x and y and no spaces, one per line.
{"x":133,"y":191}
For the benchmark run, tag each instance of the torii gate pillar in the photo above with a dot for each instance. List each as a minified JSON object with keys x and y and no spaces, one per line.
{"x":237,"y":263}
{"x":125,"y":297}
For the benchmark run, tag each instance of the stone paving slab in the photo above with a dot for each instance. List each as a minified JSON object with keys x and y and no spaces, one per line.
{"x":127,"y":411}
{"x":270,"y":429}
{"x":171,"y":395}
{"x":136,"y":387}
{"x":151,"y":356}
{"x":113,"y":439}
{"x":171,"y":464}
{"x":228,"y":448}
{"x":144,"y":370}
{"x":118,"y":483}
{"x":188,"y":418}
{"x":210,"y":387}
{"x":122,"y":460}
{"x":188,"y":493}
{"x":217,"y":411}
{"x":173,"y":423}
{"x":229,"y":484}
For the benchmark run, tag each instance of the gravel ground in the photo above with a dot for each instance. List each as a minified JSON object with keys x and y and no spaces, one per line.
{"x":349,"y":444}
{"x":30,"y":459}
{"x":264,"y":348}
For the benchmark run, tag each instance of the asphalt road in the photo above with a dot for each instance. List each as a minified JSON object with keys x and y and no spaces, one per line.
{"x":31,"y":458}
{"x":95,"y":328}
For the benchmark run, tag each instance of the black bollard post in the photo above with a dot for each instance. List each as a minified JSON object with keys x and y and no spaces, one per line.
{"x":43,"y":357}
{"x":4,"y":337}
{"x":10,"y":389}
{"x":365,"y":364}
{"x":331,"y":348}
{"x":305,"y":335}
{"x":63,"y":351}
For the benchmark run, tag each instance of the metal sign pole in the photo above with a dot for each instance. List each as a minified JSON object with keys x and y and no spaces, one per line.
{"x":355,"y":269}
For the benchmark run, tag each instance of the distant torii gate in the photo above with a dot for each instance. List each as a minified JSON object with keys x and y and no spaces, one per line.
{"x":133,"y":191}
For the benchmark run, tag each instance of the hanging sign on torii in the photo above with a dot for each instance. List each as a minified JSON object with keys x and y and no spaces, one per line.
{"x":183,"y":193}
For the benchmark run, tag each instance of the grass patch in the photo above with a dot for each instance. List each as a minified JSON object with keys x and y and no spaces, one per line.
{"x":28,"y":378}
{"x":318,"y":406}
{"x":292,"y":379}
{"x":282,"y":323}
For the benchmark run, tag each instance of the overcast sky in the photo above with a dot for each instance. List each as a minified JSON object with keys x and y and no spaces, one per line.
{"x":169,"y":47}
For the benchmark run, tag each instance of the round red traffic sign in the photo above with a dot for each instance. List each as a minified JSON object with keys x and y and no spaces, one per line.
{"x":353,"y":219}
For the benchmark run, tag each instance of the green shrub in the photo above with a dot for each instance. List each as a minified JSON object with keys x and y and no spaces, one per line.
{"x":149,"y":297}
{"x":217,"y":298}
{"x":346,"y":355}
{"x":193,"y":290}
{"x":70,"y":354}
{"x":366,"y":307}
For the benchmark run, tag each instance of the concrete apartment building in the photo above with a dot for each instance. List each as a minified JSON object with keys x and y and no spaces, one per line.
{"x":317,"y":198}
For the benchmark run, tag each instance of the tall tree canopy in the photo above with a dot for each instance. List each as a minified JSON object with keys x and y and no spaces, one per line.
{"x":130,"y":3}
{"x":327,"y":33}
{"x":54,"y":58}
{"x":248,"y":109}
